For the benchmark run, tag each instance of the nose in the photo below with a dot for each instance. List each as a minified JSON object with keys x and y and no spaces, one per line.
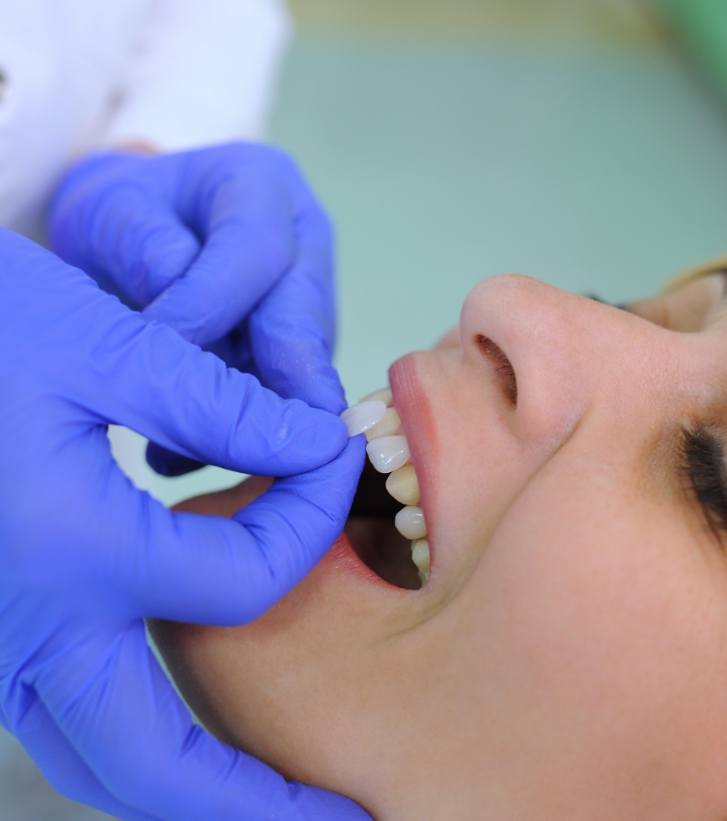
{"x":547,"y":336}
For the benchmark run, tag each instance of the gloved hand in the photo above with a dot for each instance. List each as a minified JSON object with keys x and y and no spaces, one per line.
{"x":85,"y":556}
{"x":227,"y":245}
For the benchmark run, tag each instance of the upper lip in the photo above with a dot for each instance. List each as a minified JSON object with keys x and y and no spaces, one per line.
{"x":417,"y":419}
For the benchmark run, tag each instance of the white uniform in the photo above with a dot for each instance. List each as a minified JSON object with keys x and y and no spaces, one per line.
{"x":79,"y":74}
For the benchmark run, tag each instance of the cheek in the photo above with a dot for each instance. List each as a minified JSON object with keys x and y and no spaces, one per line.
{"x":606,"y":641}
{"x":268,"y":687}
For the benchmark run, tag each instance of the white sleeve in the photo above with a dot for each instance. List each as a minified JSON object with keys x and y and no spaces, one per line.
{"x":201,"y":73}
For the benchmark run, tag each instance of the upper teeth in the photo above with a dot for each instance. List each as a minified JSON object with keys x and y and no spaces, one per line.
{"x":384,"y":395}
{"x":388,"y":424}
{"x":389,"y":453}
{"x":403,"y":485}
{"x":364,"y":416}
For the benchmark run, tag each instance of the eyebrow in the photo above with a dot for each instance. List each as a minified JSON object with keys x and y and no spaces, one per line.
{"x":622,"y":305}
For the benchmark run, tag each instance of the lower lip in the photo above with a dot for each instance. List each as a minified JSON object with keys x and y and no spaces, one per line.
{"x":342,"y":558}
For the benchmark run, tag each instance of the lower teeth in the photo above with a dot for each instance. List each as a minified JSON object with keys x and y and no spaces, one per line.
{"x":385,"y":551}
{"x":409,"y":521}
{"x":373,"y":536}
{"x":420,"y":557}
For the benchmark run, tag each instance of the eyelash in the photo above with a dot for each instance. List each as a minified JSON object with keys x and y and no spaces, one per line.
{"x":702,"y":460}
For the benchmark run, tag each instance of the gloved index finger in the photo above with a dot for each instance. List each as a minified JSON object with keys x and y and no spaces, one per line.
{"x":64,"y":769}
{"x":246,"y":224}
{"x":292,"y":331}
{"x":138,"y":738}
{"x":149,"y":379}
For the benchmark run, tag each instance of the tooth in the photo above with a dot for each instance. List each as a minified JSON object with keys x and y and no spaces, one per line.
{"x":384,"y":395}
{"x":420,"y":557}
{"x":388,"y":453}
{"x":362,"y":417}
{"x":386,"y":426}
{"x":409,"y":521}
{"x":403,"y":485}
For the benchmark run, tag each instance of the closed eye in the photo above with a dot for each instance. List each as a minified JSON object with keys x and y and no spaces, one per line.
{"x":703,"y":465}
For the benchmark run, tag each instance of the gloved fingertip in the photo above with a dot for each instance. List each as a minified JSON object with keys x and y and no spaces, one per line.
{"x":320,"y":433}
{"x":319,"y":387}
{"x":322,"y":393}
{"x":169,"y":464}
{"x":288,"y":439}
{"x":327,"y":391}
{"x":166,"y":257}
{"x":313,"y":802}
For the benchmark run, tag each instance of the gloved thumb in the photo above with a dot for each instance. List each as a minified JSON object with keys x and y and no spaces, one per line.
{"x":178,"y":771}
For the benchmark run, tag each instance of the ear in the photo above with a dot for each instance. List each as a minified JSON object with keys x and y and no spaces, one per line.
{"x":693,"y":302}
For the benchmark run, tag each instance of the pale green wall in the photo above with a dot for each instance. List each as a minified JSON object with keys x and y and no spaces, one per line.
{"x":596,"y":163}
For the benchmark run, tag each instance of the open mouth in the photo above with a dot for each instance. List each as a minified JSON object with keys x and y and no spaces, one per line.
{"x":390,"y":540}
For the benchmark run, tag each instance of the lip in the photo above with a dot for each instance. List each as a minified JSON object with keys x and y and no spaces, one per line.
{"x":420,"y":429}
{"x":417,"y":422}
{"x":342,"y":557}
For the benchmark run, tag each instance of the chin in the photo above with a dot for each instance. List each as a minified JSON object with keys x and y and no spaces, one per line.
{"x":313,"y":687}
{"x":295,"y":688}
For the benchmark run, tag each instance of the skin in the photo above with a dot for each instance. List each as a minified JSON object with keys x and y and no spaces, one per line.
{"x":568,"y":657}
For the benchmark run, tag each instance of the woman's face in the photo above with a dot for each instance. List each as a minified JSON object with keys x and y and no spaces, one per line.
{"x":568,"y":656}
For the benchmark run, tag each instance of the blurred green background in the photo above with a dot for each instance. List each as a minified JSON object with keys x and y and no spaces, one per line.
{"x":574,"y":140}
{"x":566,"y":139}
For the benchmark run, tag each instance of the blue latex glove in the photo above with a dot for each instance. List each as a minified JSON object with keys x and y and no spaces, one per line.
{"x":227,"y":245}
{"x":85,"y":556}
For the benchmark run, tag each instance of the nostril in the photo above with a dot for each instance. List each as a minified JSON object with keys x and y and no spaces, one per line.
{"x":503,"y":366}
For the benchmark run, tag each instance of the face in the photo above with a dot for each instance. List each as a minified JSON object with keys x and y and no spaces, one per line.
{"x":567,"y":658}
